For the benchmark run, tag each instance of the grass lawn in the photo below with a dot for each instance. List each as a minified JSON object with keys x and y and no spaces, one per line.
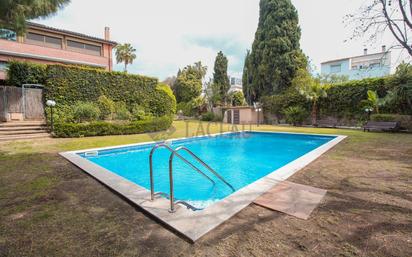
{"x":48,"y":207}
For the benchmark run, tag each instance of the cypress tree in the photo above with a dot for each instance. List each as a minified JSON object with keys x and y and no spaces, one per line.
{"x":276,"y":53}
{"x":220,"y":77}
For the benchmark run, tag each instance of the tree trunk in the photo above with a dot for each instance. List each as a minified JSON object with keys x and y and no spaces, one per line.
{"x":314,"y":114}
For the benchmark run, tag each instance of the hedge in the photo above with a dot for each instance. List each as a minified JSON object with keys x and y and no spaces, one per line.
{"x":343,"y":101}
{"x":104,"y":128}
{"x":69,"y":84}
{"x":19,"y":73}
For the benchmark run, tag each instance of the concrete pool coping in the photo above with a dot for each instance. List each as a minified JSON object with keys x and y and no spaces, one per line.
{"x":195,"y":224}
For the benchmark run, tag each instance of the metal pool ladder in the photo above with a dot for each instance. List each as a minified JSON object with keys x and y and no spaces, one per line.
{"x":173,"y":153}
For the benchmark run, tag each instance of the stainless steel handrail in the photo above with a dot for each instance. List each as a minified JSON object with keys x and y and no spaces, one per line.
{"x":205,"y":165}
{"x":152,"y":193}
{"x":175,"y":152}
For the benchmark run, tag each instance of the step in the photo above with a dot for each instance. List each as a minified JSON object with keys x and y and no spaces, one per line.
{"x":23,"y":128}
{"x":22,"y":124}
{"x":22,"y":137}
{"x":21,"y":132}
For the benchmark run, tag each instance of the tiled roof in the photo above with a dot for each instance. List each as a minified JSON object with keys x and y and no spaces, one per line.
{"x":76,"y":34}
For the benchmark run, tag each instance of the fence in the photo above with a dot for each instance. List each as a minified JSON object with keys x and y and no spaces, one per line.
{"x":21,"y":103}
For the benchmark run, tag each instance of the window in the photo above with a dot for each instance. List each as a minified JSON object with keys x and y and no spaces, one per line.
{"x":3,"y":66}
{"x":8,"y":35}
{"x":335,"y":68}
{"x":354,"y":67}
{"x":43,"y":40}
{"x":374,"y":65}
{"x":84,"y":48}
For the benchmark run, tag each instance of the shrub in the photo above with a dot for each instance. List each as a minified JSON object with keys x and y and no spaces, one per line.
{"x":122,"y":113}
{"x":186,"y":108}
{"x":237,"y":98}
{"x":404,"y":120}
{"x":138,"y":113}
{"x":103,"y":128}
{"x":107,"y":107}
{"x":208,"y":116}
{"x":19,"y":73}
{"x":295,"y":115}
{"x":85,"y":111}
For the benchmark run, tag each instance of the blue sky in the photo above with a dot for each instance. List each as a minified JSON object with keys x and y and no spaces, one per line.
{"x":168,"y":35}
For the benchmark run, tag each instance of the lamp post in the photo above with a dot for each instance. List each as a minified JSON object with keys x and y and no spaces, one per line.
{"x":368,"y":112}
{"x":51,"y":104}
{"x":258,"y":108}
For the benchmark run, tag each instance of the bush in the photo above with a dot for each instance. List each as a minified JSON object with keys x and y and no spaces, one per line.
{"x":107,"y":107}
{"x":19,"y":73}
{"x":122,"y":113}
{"x":295,"y":115}
{"x":85,"y":111}
{"x":404,"y":120}
{"x":186,"y":108}
{"x":208,"y":116}
{"x":103,"y":128}
{"x":237,"y":98}
{"x":138,"y":113}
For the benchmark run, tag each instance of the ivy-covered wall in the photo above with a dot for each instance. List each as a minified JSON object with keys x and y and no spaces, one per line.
{"x":68,"y":85}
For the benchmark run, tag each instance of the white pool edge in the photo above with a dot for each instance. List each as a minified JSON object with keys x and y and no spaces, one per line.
{"x":194,"y":225}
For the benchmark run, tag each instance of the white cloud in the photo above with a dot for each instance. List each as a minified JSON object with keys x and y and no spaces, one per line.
{"x":169,"y":35}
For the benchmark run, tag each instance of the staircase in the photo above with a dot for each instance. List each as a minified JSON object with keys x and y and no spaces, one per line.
{"x":16,"y":130}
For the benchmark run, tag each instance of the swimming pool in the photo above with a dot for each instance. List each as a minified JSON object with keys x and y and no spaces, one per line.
{"x":240,"y":158}
{"x":251,"y":162}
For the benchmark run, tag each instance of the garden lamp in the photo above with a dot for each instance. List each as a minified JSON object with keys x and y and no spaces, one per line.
{"x":51,"y":104}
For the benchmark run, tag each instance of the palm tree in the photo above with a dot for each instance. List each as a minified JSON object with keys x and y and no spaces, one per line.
{"x":311,"y":88}
{"x":14,"y":13}
{"x":125,"y":53}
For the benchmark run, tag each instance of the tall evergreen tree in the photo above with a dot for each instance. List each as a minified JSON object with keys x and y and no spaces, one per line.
{"x":220,"y":77}
{"x":276,"y":54}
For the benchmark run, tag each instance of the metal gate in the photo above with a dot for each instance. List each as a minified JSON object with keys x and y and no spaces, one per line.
{"x":21,"y":103}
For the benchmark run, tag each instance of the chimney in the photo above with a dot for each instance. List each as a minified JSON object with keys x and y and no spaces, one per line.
{"x":384,"y":49}
{"x":365,"y":51}
{"x":106,"y":33}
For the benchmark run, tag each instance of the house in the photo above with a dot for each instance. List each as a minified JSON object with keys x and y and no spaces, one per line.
{"x":47,"y":45}
{"x":235,"y":84}
{"x":360,"y":67}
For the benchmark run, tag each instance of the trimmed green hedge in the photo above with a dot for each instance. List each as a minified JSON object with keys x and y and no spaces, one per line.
{"x":103,"y":128}
{"x":343,"y":101}
{"x":19,"y":73}
{"x":69,"y":84}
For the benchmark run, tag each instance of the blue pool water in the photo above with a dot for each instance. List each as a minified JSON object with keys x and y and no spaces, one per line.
{"x":241,"y":158}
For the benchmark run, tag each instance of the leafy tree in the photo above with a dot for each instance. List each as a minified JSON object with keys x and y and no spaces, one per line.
{"x":276,"y":53}
{"x":220,"y":77}
{"x":399,"y":96}
{"x":311,"y":88}
{"x":125,"y":53}
{"x":188,"y":85}
{"x":237,"y":98}
{"x":376,"y":17}
{"x":14,"y":13}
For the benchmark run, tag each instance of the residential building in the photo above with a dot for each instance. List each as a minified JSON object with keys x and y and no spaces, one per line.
{"x":360,"y":67}
{"x":47,"y":45}
{"x":235,"y":84}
